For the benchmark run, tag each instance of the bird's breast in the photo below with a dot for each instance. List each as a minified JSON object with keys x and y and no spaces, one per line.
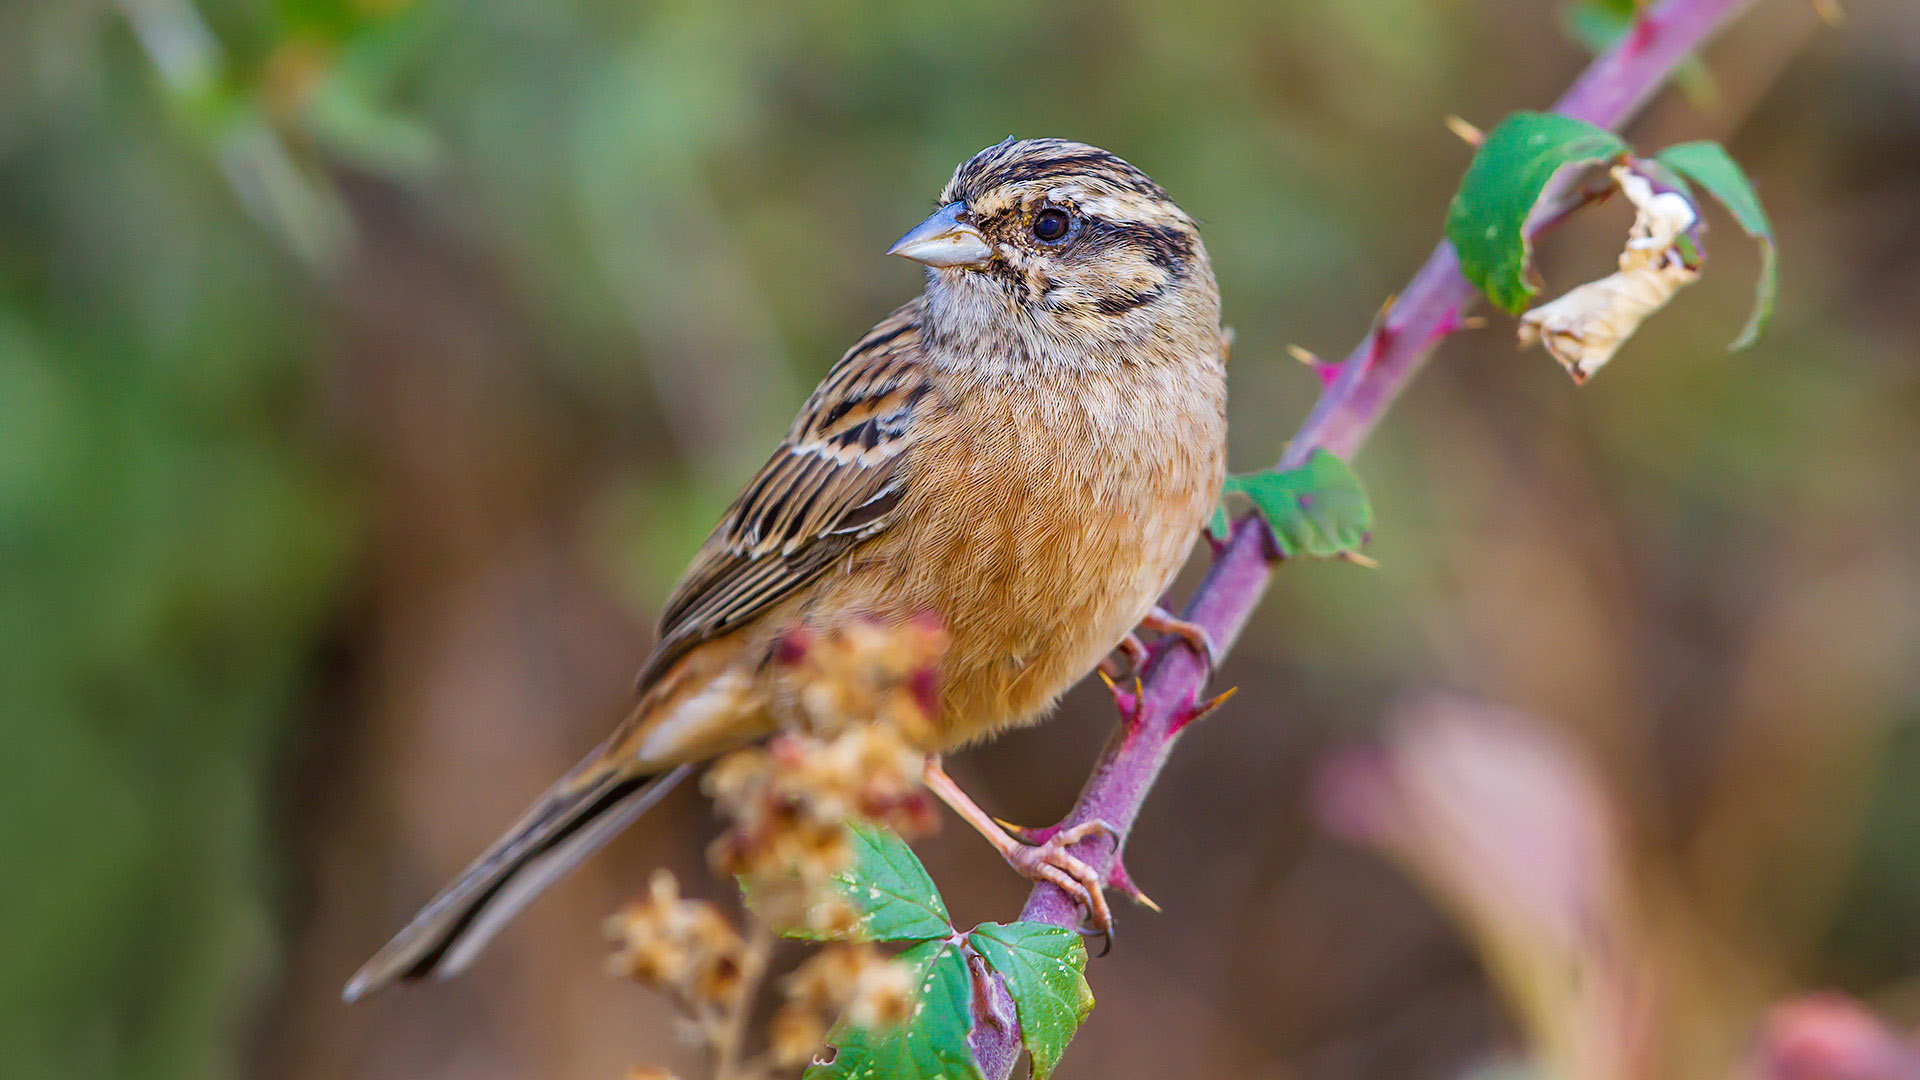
{"x":1043,"y":523}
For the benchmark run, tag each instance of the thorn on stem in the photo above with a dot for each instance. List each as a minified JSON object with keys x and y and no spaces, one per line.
{"x":1468,"y":134}
{"x":1218,"y":544}
{"x":1121,"y":882}
{"x":1645,"y":26}
{"x":1381,"y":334}
{"x":1200,"y":709}
{"x":1326,"y":369}
{"x":1028,"y":834}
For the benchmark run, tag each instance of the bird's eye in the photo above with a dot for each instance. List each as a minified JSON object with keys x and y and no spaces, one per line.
{"x":1050,"y":226}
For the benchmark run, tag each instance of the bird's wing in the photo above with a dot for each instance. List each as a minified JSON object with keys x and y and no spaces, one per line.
{"x":835,"y":481}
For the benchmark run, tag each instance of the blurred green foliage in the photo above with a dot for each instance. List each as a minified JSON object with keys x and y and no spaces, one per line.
{"x":171,"y":548}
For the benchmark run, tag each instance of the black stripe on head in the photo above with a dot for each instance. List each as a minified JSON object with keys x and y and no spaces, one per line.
{"x":1121,"y":303}
{"x":1169,"y":249}
{"x":1025,"y":161}
{"x":1166,"y":247}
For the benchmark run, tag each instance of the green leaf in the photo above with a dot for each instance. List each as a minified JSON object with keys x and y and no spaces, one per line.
{"x":930,"y":1045}
{"x":1318,"y":509}
{"x":896,"y":899}
{"x":1709,"y":165}
{"x":1487,"y":221}
{"x":1045,"y":969}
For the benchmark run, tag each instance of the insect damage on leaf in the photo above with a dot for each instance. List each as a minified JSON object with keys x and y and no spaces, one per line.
{"x":1584,"y":328}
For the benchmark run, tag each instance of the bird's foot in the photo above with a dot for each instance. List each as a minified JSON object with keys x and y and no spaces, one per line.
{"x":1052,"y":862}
{"x":1048,"y":861}
{"x":1135,"y":652}
{"x":1196,"y":637}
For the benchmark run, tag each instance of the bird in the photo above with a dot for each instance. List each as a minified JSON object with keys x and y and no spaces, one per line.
{"x":1027,"y":450}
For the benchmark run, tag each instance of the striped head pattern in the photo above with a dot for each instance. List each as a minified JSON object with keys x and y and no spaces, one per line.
{"x":1069,"y":243}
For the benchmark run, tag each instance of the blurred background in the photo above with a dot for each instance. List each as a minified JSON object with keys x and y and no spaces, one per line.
{"x":369,"y":369}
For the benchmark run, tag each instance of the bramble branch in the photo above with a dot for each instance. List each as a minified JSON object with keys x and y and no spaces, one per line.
{"x":1607,"y":94}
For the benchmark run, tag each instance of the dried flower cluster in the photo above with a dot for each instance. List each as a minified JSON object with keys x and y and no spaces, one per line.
{"x":847,"y":979}
{"x":1584,"y":328}
{"x":856,"y":710}
{"x":684,"y":946}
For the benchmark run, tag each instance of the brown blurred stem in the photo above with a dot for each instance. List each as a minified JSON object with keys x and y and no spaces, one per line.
{"x":1608,"y":94}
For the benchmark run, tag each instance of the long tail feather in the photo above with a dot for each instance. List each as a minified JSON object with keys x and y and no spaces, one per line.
{"x":568,"y":824}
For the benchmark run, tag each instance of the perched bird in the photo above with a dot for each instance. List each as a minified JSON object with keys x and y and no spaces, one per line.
{"x":1027,"y":450}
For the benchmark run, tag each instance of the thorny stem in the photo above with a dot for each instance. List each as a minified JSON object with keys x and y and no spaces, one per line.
{"x":1611,"y":90}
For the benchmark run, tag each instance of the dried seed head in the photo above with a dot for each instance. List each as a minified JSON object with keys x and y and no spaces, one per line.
{"x":883,"y":996}
{"x":857,"y":704}
{"x":862,"y":673}
{"x":855,"y":981}
{"x":686,"y":947}
{"x":795,"y":1035}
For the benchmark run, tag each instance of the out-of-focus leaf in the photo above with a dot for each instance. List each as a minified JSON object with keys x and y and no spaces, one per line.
{"x":1318,"y":509}
{"x":1709,"y":165}
{"x":1597,"y":24}
{"x":1510,"y":826}
{"x":931,"y":1044}
{"x":1045,"y":970}
{"x":1487,"y":221}
{"x":1218,"y":526}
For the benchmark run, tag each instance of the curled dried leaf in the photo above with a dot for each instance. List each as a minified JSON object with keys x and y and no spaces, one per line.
{"x":1583,"y":329}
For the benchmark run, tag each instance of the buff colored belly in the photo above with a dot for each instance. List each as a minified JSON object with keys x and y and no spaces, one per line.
{"x":1039,"y":558}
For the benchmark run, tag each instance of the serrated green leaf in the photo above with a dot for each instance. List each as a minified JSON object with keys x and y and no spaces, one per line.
{"x":930,"y":1045}
{"x":896,"y":899}
{"x":1318,"y":509}
{"x":1045,"y":970}
{"x":1709,"y":165}
{"x":1487,"y":220}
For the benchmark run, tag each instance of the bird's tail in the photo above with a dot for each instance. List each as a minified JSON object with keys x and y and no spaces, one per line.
{"x":570,"y":822}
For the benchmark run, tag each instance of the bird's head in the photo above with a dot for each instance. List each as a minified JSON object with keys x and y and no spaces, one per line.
{"x":1065,"y":246}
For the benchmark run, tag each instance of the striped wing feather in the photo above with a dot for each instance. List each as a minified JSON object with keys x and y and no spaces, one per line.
{"x":835,"y":481}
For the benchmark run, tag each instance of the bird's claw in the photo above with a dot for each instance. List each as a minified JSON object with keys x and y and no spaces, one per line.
{"x":1131,"y":647}
{"x":1052,"y":863}
{"x":1196,"y":637}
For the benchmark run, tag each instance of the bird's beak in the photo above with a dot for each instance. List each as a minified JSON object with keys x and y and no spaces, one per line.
{"x":944,"y":240}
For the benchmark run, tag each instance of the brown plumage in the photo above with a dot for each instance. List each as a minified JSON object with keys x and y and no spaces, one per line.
{"x":1026,"y":450}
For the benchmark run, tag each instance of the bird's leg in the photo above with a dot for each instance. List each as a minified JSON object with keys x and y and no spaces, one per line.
{"x":1049,"y":861}
{"x":1135,"y":651}
{"x":1163,"y":621}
